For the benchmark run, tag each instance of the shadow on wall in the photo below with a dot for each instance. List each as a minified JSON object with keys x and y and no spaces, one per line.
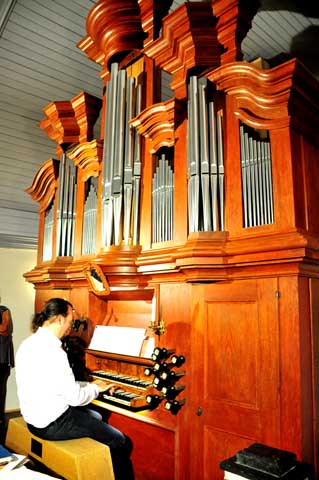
{"x":305,"y":46}
{"x":309,"y":8}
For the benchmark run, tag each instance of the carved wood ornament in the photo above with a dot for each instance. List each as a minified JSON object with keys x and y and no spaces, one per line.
{"x":71,"y":121}
{"x":44,"y":184}
{"x":112,"y":32}
{"x":88,"y":157}
{"x":270,"y":99}
{"x":189,"y":41}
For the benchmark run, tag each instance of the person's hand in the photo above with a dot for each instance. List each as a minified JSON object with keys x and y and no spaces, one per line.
{"x":105,"y":386}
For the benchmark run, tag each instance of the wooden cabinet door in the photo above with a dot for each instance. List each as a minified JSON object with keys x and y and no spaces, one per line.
{"x":233,"y":390}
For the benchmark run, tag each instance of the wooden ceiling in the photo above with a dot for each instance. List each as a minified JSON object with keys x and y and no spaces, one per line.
{"x":40,"y":63}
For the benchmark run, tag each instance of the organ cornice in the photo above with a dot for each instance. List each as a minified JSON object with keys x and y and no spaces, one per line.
{"x":189,"y":40}
{"x":44,"y":184}
{"x":71,"y":121}
{"x":157,"y":123}
{"x":152,"y":12}
{"x":88,"y":157}
{"x":234,"y":21}
{"x":112,"y":31}
{"x":271,"y":98}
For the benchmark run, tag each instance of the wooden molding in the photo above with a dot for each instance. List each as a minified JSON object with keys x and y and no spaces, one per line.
{"x":88,"y":157}
{"x":152,"y":12}
{"x":157,"y":123}
{"x":234,"y":21}
{"x":189,"y":40}
{"x":71,"y":121}
{"x":112,"y":31}
{"x":272,"y":98}
{"x":44,"y":184}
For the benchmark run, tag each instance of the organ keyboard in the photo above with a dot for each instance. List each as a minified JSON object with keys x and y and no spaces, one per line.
{"x":134,"y":394}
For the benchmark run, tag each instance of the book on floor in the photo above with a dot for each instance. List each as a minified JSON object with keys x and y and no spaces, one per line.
{"x":16,"y":463}
{"x":5,"y":455}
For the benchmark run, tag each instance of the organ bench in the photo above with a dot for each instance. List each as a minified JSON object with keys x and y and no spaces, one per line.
{"x":77,"y":459}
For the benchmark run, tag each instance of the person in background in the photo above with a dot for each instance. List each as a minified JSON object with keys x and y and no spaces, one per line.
{"x":52,"y":402}
{"x":6,"y":358}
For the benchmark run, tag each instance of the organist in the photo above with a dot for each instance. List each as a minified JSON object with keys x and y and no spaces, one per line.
{"x":52,"y":402}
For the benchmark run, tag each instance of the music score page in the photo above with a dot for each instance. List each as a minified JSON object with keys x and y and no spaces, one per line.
{"x":121,"y":340}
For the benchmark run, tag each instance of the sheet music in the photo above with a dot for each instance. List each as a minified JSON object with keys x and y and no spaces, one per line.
{"x":14,"y":472}
{"x":121,"y":340}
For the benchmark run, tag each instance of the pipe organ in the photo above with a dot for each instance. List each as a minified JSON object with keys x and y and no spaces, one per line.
{"x":190,"y":221}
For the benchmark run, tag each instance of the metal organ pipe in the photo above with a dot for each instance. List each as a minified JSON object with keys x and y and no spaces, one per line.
{"x":89,"y":218}
{"x":48,"y":232}
{"x":128,"y":161}
{"x":205,"y":160}
{"x":121,"y":169}
{"x":162,"y":201}
{"x":137,"y":166}
{"x":108,"y":156}
{"x":66,"y":207}
{"x":257,"y":191}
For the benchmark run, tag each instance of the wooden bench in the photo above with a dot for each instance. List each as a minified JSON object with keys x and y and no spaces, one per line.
{"x":78,"y":459}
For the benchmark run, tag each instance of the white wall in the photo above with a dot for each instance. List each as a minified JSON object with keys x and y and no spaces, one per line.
{"x":18,"y":295}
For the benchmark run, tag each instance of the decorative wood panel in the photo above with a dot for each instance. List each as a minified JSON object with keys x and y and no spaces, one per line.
{"x":159,"y":459}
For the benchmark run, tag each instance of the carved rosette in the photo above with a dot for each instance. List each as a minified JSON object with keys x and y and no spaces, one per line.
{"x":88,"y":157}
{"x":157,"y":123}
{"x":112,"y":29}
{"x":71,"y":121}
{"x":274,"y":98}
{"x":44,"y":184}
{"x":234,"y":21}
{"x":189,"y":40}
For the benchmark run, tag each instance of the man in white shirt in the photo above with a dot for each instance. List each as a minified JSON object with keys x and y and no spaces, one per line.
{"x":52,"y":402}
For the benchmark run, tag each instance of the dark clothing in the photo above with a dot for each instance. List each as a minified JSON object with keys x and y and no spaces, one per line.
{"x":4,"y":375}
{"x":6,"y":355}
{"x":78,"y":422}
{"x":6,"y":345}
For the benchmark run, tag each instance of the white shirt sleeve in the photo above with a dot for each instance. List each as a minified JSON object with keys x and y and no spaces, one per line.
{"x":75,"y":393}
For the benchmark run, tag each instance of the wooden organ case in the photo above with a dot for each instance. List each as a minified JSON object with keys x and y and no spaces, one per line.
{"x":200,"y":213}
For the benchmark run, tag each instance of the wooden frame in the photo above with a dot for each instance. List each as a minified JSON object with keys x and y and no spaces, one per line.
{"x":97,"y":280}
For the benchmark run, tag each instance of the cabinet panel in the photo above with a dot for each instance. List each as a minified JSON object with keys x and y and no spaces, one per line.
{"x":154,"y":451}
{"x":236,"y":365}
{"x":235,"y":373}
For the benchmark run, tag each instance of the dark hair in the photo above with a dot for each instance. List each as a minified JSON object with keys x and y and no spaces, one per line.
{"x":52,"y":308}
